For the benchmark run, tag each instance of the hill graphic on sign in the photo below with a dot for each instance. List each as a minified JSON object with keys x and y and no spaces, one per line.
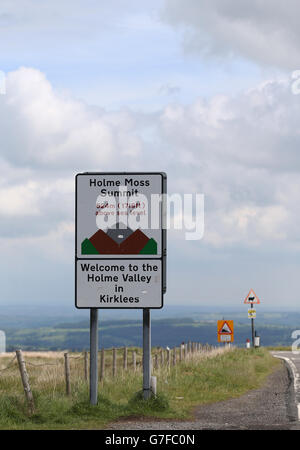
{"x":225,"y":328}
{"x":119,"y":241}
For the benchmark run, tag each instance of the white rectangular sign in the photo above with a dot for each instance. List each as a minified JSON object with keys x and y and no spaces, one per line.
{"x":120,"y":243}
{"x":119,"y":284}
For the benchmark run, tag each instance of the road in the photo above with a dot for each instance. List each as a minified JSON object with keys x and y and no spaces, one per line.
{"x":292,"y":361}
{"x":274,"y":406}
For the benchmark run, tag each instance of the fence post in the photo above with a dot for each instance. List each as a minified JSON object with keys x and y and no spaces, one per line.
{"x":86,"y":366}
{"x":134,"y":360}
{"x":102,"y":364}
{"x":181,"y":352}
{"x":25,"y":381}
{"x":162,"y":358}
{"x":67,"y":373}
{"x":174,"y":356}
{"x":156,"y":361}
{"x":114,"y":362}
{"x":125,"y":359}
{"x":168,"y":357}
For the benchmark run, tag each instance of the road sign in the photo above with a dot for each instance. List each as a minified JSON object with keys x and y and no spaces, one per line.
{"x":119,"y":283}
{"x":251,"y":313}
{"x":225,"y":331}
{"x":120,"y":240}
{"x":252,"y":298}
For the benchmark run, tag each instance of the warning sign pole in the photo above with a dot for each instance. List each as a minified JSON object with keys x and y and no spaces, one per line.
{"x":252,"y":299}
{"x":252,"y":327}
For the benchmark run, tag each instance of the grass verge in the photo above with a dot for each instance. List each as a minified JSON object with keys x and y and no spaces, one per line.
{"x":208,"y":378}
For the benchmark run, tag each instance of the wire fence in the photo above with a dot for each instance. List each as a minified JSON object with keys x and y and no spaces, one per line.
{"x":112,"y":362}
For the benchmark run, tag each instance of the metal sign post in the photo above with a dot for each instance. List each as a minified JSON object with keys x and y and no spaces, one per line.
{"x":93,"y":356}
{"x":252,"y":328}
{"x":252,"y":299}
{"x":120,"y":252}
{"x":146,"y":354}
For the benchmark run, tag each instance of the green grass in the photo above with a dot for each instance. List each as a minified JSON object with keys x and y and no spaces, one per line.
{"x":206,"y":379}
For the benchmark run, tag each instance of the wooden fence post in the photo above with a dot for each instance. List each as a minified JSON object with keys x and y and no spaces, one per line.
{"x":181,"y":352}
{"x":114,"y":362}
{"x":102,"y":364}
{"x":174,"y":357}
{"x":86,"y":366}
{"x":125,"y":359}
{"x":25,"y":381}
{"x":134,"y":360}
{"x":168,"y":357}
{"x":67,"y":373}
{"x":162,"y":358}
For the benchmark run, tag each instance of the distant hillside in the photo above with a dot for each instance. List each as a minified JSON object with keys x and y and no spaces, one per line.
{"x":118,"y":333}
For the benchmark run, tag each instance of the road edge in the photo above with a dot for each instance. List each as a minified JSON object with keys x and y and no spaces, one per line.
{"x":293,"y":407}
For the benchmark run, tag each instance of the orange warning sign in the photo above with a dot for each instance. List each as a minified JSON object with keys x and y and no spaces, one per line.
{"x":225,"y":331}
{"x":252,"y":298}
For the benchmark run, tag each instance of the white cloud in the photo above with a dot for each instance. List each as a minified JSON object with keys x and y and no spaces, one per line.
{"x":59,"y":132}
{"x":46,"y":139}
{"x":265,"y":31}
{"x":241,"y":152}
{"x":57,"y":244}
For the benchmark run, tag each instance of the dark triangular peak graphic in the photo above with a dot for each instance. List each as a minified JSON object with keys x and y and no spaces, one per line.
{"x":119,"y":240}
{"x":134,"y":243}
{"x":104,"y":244}
{"x":119,"y":234}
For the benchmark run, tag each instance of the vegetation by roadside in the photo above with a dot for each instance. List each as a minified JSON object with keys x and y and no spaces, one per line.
{"x":207,"y":377}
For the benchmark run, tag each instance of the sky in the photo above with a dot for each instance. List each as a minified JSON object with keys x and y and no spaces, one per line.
{"x":203,"y":90}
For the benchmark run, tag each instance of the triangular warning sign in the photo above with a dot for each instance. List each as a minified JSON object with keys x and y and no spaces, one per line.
{"x":252,"y":298}
{"x":225,"y":329}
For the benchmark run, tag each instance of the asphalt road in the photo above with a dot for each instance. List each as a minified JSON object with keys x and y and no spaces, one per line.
{"x":274,"y":406}
{"x":292,"y":361}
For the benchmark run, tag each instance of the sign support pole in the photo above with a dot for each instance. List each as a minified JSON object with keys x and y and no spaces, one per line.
{"x":93,"y":356}
{"x":146,"y":354}
{"x":252,"y":326}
